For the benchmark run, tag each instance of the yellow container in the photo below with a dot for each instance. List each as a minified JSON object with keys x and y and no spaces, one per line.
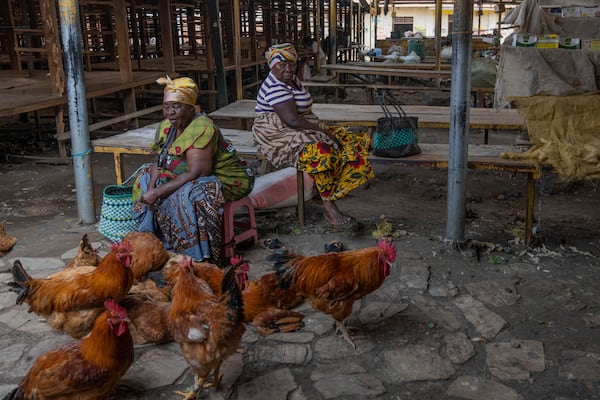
{"x":547,"y":41}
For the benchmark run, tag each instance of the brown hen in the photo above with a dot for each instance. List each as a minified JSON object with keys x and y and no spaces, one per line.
{"x":86,"y":255}
{"x":207,"y":326}
{"x":149,"y":254}
{"x":267,"y":305}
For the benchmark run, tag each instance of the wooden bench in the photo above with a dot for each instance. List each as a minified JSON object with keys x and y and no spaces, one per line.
{"x":481,"y":158}
{"x":241,"y":113}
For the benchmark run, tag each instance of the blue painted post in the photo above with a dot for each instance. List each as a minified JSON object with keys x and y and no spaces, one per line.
{"x":78,"y":120}
{"x":459,"y":119}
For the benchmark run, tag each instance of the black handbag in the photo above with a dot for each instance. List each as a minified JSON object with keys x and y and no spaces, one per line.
{"x":396,"y":134}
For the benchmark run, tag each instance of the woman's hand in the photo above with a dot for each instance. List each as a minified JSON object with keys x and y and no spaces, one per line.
{"x":288,"y":113}
{"x":150,"y":197}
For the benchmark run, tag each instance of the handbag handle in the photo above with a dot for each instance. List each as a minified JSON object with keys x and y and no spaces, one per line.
{"x":133,"y":175}
{"x":381,"y":99}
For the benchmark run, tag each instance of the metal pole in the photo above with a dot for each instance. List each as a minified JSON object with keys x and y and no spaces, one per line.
{"x":332,"y":32}
{"x":78,"y":121}
{"x":459,"y":119}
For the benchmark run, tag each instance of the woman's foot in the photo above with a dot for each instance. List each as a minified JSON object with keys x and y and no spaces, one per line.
{"x":333,"y":215}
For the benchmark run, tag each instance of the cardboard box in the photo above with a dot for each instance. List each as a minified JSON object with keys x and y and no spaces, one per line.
{"x":547,"y":41}
{"x":524,"y":40}
{"x":590,"y":11}
{"x":573,"y":11}
{"x":590,"y":44}
{"x":569,"y":43}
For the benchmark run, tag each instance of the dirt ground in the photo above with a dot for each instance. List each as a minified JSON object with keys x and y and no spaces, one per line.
{"x":411,"y":198}
{"x":38,"y":205}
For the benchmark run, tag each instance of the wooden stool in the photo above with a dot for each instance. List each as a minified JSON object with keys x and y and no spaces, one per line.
{"x":249,"y":231}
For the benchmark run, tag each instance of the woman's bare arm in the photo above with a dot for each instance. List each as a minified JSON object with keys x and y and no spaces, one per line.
{"x":200,"y":164}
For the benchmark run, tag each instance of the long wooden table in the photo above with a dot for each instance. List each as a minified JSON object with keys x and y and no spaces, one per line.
{"x":480,"y":157}
{"x":343,"y":70}
{"x":242,"y":112}
{"x":137,"y":141}
{"x":412,"y":72}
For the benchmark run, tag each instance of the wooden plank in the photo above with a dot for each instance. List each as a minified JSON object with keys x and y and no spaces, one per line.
{"x":367,"y":115}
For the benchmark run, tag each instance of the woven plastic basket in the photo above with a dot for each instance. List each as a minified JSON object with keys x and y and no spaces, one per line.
{"x":116,"y":219}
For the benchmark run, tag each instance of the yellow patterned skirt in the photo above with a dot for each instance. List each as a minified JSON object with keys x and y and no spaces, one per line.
{"x":337,"y":171}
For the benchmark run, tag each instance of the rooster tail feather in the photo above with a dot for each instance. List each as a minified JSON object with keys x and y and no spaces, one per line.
{"x":20,"y":279}
{"x":230,"y":286}
{"x":285,"y":272}
{"x":19,"y":273}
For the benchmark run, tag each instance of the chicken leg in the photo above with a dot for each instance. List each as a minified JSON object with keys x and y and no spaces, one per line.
{"x":341,"y":327}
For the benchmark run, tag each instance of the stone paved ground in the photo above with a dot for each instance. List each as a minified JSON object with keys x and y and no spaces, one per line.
{"x":443,"y":326}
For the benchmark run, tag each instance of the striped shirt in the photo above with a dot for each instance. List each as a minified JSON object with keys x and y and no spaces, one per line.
{"x":273,"y":92}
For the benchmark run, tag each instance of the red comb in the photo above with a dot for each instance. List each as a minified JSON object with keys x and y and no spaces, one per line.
{"x":122,"y":246}
{"x":186,"y":262}
{"x":235,"y":260}
{"x":113,"y":306}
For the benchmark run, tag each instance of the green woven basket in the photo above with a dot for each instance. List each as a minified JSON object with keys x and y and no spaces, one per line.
{"x":116,"y":219}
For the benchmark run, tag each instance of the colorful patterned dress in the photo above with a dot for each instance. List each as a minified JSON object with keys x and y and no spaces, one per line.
{"x":189,"y":220}
{"x":336,"y":171}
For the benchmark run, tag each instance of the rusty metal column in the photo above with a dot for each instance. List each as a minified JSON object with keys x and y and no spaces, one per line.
{"x":459,"y":119}
{"x":332,"y":32}
{"x":78,"y":121}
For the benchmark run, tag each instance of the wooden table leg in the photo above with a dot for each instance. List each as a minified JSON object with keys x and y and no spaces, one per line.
{"x":119,"y":168}
{"x":530,"y":208}
{"x":300,"y":190}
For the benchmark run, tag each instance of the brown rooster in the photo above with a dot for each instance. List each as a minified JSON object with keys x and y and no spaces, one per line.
{"x":149,"y":253}
{"x":111,"y":279}
{"x":85,"y":369}
{"x":334,"y":281}
{"x":207,"y":326}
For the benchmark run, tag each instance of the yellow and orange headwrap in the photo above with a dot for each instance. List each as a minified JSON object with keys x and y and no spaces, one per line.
{"x":181,"y":90}
{"x":281,"y":52}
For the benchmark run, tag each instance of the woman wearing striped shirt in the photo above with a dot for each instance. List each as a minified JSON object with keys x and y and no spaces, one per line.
{"x":288,"y":133}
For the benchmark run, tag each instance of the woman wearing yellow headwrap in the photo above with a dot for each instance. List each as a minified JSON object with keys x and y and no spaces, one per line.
{"x":180,"y":196}
{"x":287,"y":132}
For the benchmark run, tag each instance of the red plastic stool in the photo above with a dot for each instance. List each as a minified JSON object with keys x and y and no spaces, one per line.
{"x":249,"y":231}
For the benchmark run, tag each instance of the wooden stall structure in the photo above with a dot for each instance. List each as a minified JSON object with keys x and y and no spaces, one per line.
{"x":219,"y":44}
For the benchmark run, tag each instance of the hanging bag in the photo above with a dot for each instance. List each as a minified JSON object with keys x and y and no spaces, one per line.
{"x":396,"y":134}
{"x":116,"y":219}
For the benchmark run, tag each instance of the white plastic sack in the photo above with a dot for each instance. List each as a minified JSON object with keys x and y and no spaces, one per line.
{"x":278,"y":189}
